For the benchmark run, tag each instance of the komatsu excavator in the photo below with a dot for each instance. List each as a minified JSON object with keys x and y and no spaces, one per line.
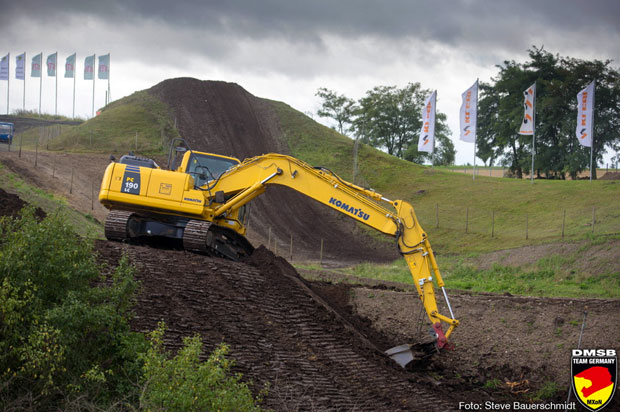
{"x":201,"y":201}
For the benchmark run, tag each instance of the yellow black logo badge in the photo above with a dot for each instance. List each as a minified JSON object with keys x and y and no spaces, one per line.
{"x":594,"y":373}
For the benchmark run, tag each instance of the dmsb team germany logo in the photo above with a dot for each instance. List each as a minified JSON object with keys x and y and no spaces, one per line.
{"x":594,"y":374}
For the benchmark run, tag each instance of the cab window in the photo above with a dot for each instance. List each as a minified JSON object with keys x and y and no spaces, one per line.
{"x":206,"y":168}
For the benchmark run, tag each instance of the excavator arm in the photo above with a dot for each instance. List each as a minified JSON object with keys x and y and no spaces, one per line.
{"x":392,"y":217}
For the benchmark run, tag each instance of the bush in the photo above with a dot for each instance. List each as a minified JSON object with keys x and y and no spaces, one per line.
{"x":65,"y":342}
{"x":184,"y":383}
{"x":63,"y":326}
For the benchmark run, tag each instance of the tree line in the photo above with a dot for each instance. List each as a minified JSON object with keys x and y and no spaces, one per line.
{"x":389,"y":118}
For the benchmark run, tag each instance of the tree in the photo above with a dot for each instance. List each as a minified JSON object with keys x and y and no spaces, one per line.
{"x":444,"y":153}
{"x":558,"y":80}
{"x":336,"y":106}
{"x":389,"y":118}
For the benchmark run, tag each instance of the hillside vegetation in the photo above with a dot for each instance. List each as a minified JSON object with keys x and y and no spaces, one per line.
{"x":139,"y":122}
{"x":457,"y":204}
{"x":460,"y":215}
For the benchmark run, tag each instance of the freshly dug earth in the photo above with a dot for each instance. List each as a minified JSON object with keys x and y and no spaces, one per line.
{"x":318,"y":345}
{"x":11,"y":205}
{"x":279,"y":331}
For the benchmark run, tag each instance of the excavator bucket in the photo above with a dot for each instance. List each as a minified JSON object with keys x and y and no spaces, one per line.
{"x":401,"y":354}
{"x":407,"y":353}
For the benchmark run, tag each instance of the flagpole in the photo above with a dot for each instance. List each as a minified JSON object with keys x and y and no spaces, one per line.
{"x":109,"y":65}
{"x":475,"y":132}
{"x":592,"y":145}
{"x":433,"y":152}
{"x":24,"y":96}
{"x":74,"y":76}
{"x":94,"y":75}
{"x":8,"y":82}
{"x":56,"y":73}
{"x":533,"y":134}
{"x":40,"y":83}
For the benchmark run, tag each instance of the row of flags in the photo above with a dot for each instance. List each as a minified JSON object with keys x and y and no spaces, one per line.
{"x":103,"y":70}
{"x":469,"y":111}
{"x":36,"y":70}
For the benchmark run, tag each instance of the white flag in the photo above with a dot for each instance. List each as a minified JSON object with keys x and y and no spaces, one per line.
{"x":20,"y":66}
{"x":529,"y":102}
{"x":70,"y":66}
{"x":469,"y":112}
{"x":104,"y":67}
{"x":585,"y":118}
{"x":4,"y":68}
{"x":35,"y":70}
{"x":89,"y":68}
{"x":426,"y":143}
{"x":51,"y":64}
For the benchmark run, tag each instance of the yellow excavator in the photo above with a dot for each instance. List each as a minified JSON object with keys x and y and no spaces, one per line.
{"x":201,"y":201}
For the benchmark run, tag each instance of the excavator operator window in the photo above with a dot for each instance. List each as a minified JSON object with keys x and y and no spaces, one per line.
{"x":205,"y":168}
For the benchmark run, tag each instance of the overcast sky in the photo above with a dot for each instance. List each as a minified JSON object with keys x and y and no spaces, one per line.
{"x":286,"y":49}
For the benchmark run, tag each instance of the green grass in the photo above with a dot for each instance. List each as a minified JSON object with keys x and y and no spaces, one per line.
{"x":43,"y":116}
{"x":84,"y":225}
{"x":139,"y":122}
{"x":551,"y":276}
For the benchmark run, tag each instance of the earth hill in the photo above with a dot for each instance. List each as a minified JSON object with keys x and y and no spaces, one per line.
{"x":223,"y":118}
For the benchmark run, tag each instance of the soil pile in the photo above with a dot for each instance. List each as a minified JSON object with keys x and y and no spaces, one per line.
{"x":277,"y":330}
{"x":223,"y":118}
{"x":611,"y":176}
{"x":11,"y":204}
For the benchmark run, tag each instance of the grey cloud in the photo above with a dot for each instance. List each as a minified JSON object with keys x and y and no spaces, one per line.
{"x":445,"y":21}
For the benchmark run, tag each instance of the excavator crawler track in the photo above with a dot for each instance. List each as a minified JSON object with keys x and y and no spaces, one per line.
{"x":116,"y":225}
{"x":196,"y":235}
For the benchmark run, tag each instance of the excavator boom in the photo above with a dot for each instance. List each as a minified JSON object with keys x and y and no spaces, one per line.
{"x":206,"y":209}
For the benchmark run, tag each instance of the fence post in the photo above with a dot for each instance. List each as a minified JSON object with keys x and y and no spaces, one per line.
{"x":526,"y":226}
{"x":467,"y":219}
{"x":563,"y":223}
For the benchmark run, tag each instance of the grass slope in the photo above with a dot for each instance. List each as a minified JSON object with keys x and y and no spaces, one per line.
{"x":139,"y":122}
{"x":83,"y":224}
{"x":462,"y":215}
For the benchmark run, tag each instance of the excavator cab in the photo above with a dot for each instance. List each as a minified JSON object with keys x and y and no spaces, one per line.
{"x":206,"y":168}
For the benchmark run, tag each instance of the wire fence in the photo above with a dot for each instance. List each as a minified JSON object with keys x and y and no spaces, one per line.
{"x":515,"y":225}
{"x":559,"y":223}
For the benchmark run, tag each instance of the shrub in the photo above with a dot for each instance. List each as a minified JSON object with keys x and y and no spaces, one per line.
{"x":184,"y":383}
{"x":63,"y":326}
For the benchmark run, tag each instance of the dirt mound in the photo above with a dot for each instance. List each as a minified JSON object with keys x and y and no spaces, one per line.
{"x":223,"y":118}
{"x":277,"y":329}
{"x":11,"y":204}
{"x":611,"y":176}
